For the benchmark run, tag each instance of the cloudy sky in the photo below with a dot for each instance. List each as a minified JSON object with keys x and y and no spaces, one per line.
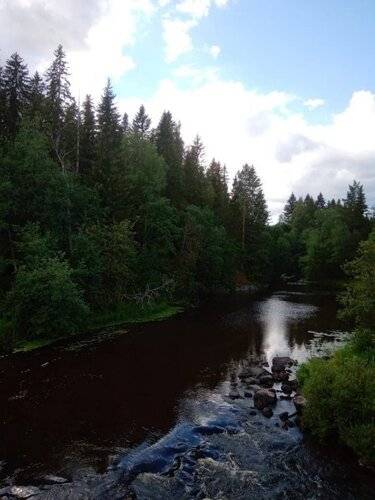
{"x":284,"y":84}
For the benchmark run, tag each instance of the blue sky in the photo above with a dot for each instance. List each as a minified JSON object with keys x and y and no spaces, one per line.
{"x":286,"y":85}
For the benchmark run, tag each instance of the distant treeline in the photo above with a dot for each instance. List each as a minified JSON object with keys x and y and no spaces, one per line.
{"x":97,"y":210}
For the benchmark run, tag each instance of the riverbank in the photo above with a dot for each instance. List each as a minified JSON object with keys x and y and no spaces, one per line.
{"x":127,"y":314}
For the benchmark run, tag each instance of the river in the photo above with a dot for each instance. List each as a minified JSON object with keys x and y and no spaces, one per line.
{"x":158,"y":412}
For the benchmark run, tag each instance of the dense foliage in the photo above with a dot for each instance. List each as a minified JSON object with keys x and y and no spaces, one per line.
{"x":341,"y":390}
{"x":98,"y":212}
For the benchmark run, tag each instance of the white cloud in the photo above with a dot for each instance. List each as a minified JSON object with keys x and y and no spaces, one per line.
{"x":176,"y":35}
{"x":314,"y":103}
{"x":94,"y":38}
{"x":239,"y":125}
{"x":179,"y":22}
{"x":214,"y":50}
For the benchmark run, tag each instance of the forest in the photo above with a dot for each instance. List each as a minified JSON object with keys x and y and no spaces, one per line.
{"x":109,"y":219}
{"x":103,"y":216}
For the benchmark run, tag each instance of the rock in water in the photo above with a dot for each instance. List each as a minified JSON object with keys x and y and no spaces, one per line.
{"x":266,"y":380}
{"x":299,"y":402}
{"x":267,"y":412}
{"x":263,"y":398}
{"x":24,"y":491}
{"x":279,"y":363}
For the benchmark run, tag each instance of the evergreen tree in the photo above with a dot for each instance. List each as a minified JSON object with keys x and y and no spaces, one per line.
{"x":2,"y":105}
{"x":249,"y":219}
{"x":36,"y":98}
{"x":108,"y":148}
{"x":125,"y":124}
{"x":289,"y":207}
{"x":170,"y":146}
{"x":320,"y":201}
{"x":194,"y":180}
{"x":58,"y":99}
{"x":16,"y":88}
{"x":216,"y":175}
{"x":87,"y":138}
{"x":71,"y":137}
{"x":141,"y":123}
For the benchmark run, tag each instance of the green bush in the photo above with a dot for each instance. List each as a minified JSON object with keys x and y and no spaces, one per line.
{"x":45,"y":302}
{"x":340,"y":396}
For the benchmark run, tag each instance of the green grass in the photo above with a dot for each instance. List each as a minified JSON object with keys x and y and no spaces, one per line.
{"x":131,"y":313}
{"x":120,"y":315}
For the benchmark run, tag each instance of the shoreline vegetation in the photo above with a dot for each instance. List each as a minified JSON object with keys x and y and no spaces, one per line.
{"x":127,"y":314}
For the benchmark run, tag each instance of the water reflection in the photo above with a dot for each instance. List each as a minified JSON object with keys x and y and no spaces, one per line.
{"x":280,"y":319}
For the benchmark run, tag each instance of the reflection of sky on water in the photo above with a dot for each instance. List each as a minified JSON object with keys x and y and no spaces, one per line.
{"x":277,"y":316}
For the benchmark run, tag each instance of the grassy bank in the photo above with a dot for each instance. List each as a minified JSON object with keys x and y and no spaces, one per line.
{"x":120,"y":315}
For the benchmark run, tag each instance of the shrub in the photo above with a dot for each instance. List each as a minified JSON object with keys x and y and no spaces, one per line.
{"x":45,"y":301}
{"x":340,"y":396}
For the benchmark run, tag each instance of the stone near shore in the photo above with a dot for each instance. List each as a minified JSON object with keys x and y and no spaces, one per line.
{"x":299,"y":402}
{"x":264,"y":398}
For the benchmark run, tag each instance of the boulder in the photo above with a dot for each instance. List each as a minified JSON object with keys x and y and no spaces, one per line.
{"x":286,"y":388}
{"x":51,"y":479}
{"x":281,"y":376}
{"x":284,"y":416}
{"x":279,"y":363}
{"x":299,"y":402}
{"x":248,"y":394}
{"x":263,"y":398}
{"x":266,"y":380}
{"x":250,"y":380}
{"x":252,"y":413}
{"x":24,"y":491}
{"x":267,"y":412}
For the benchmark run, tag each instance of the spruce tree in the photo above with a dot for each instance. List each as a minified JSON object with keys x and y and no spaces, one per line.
{"x":108,"y":148}
{"x":170,"y":146}
{"x":58,"y":99}
{"x":16,"y":88}
{"x":37,"y":97}
{"x":87,"y":138}
{"x":320,"y":201}
{"x":216,"y":176}
{"x":2,"y":105}
{"x":125,"y":124}
{"x":289,"y":207}
{"x":141,"y":123}
{"x":194,"y":181}
{"x":250,"y":209}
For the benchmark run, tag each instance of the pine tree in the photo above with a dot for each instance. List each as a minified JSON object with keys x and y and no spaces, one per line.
{"x":58,"y":99}
{"x":320,"y":201}
{"x":16,"y":88}
{"x":170,"y":146}
{"x":141,"y":123}
{"x":87,"y":138}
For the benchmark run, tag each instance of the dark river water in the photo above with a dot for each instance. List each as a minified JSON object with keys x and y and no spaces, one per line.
{"x":149,"y":414}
